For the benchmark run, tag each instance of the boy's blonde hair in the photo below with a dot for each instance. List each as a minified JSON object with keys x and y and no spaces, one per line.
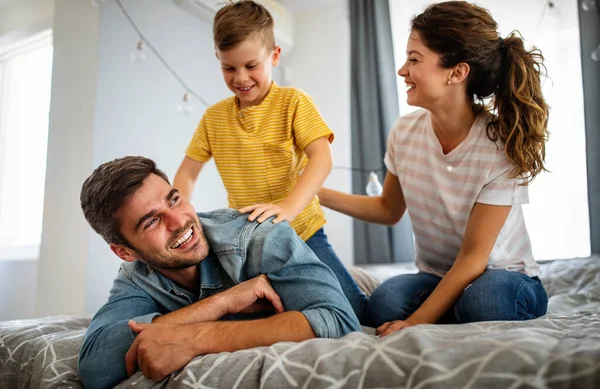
{"x":240,"y":20}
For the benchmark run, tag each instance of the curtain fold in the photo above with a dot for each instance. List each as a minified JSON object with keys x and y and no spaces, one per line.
{"x":589,"y":27}
{"x":374,"y":107}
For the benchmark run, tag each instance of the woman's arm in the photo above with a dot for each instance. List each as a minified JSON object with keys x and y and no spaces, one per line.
{"x":483,"y":228}
{"x":385,"y":209}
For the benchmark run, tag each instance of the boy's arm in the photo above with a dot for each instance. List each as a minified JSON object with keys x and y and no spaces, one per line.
{"x":311,"y":135}
{"x":186,"y":176}
{"x":320,"y":162}
{"x":197,"y":154}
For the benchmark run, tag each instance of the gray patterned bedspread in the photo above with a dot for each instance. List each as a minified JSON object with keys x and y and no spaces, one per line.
{"x":559,"y":350}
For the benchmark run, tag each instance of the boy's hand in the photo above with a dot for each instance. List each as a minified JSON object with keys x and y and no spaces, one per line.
{"x":265,"y":211}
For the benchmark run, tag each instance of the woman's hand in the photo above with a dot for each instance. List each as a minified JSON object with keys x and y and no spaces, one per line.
{"x":392,"y":326}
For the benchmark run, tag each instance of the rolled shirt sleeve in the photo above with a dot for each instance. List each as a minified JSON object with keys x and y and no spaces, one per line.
{"x":303,"y":282}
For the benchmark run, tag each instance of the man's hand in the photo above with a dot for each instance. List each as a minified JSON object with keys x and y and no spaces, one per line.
{"x":392,"y":326}
{"x":265,"y":211}
{"x":251,"y":296}
{"x":160,"y":349}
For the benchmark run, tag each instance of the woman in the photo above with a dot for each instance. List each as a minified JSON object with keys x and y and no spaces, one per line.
{"x":461,"y":168}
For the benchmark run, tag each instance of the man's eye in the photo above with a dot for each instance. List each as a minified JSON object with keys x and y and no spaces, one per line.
{"x":412,"y":60}
{"x":150,"y":223}
{"x":174,"y":200}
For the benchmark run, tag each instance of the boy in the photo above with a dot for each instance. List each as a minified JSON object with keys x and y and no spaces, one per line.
{"x":264,"y":137}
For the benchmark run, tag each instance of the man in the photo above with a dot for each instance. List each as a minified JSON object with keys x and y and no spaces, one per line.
{"x":186,"y":273}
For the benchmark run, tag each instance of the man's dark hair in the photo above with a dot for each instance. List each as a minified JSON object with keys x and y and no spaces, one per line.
{"x":108,"y":188}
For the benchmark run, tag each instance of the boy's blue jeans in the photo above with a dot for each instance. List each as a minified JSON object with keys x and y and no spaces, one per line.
{"x":495,"y":295}
{"x":358,"y":300}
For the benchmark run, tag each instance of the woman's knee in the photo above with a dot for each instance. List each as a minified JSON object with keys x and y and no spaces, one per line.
{"x":397,"y":298}
{"x":501,"y":295}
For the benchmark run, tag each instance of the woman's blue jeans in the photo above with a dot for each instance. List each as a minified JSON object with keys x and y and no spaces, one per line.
{"x":495,"y":295}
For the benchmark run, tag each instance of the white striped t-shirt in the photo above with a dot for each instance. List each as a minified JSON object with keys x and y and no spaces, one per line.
{"x":441,"y":190}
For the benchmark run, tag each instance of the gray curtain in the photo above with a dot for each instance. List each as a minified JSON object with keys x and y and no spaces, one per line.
{"x":589,"y":25}
{"x":374,"y":109}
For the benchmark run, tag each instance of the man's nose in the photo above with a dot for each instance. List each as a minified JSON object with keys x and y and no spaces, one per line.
{"x":174,"y":220}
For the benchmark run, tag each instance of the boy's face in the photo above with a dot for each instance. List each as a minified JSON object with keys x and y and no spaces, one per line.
{"x":247,"y":70}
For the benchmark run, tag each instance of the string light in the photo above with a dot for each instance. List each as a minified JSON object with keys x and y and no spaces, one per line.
{"x":185,"y":107}
{"x":373,"y":188}
{"x":589,"y":5}
{"x":596,"y":54}
{"x":138,"y":55}
{"x":146,"y":43}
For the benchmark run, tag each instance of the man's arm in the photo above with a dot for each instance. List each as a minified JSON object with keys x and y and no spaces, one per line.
{"x":161,"y":349}
{"x":102,"y":355}
{"x":254,"y":293}
{"x":108,"y":337}
{"x":301,"y":280}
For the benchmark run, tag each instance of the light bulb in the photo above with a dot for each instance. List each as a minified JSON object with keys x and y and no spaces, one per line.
{"x":138,"y":55}
{"x":374,"y":188}
{"x":97,"y":2}
{"x":185,"y":107}
{"x":596,"y":54}
{"x":588,"y":5}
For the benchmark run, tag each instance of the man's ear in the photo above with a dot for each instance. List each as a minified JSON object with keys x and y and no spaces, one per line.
{"x":123,"y":252}
{"x":460,"y":73}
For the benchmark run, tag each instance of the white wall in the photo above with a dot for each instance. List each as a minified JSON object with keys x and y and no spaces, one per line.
{"x":18,"y":20}
{"x":65,"y":239}
{"x":104,"y":106}
{"x":22,"y":18}
{"x":17,"y":288}
{"x":320,"y":65}
{"x":136,"y":107}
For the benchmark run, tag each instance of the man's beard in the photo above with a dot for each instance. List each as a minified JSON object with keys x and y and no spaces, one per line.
{"x":169,"y":262}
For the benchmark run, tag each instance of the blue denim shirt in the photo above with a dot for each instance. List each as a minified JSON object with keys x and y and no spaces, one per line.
{"x":239,"y":250}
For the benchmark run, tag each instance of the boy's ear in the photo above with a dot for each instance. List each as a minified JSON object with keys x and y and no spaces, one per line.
{"x":275,"y":56}
{"x":123,"y":252}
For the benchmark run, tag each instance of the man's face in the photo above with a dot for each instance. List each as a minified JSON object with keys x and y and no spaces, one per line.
{"x":161,"y":227}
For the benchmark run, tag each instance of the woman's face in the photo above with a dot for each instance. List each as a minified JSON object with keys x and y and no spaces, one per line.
{"x":426,"y":80}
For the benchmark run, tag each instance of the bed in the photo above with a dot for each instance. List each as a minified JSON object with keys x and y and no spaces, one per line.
{"x":559,"y":350}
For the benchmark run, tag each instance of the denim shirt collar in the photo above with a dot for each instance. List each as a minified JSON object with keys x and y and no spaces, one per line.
{"x":209,"y":278}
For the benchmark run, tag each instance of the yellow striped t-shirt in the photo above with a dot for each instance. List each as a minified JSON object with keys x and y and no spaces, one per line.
{"x":259,"y":150}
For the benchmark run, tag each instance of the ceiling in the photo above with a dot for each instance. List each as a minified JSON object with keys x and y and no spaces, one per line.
{"x":301,"y":5}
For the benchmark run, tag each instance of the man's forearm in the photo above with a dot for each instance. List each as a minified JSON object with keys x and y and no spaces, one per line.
{"x":231,"y":336}
{"x":209,"y":309}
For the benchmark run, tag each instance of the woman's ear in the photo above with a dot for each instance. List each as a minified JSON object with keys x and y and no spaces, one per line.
{"x":460,"y":73}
